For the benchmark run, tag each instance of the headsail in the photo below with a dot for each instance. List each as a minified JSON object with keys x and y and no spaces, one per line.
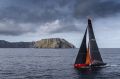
{"x":81,"y":57}
{"x":94,"y":51}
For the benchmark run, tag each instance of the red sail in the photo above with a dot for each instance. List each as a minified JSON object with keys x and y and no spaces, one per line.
{"x":88,"y":58}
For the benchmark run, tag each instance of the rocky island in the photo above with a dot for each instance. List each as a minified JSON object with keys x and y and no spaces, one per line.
{"x":53,"y":43}
{"x":44,"y":43}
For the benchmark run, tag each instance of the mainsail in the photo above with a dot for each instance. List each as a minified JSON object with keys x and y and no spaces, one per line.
{"x":88,"y":56}
{"x":94,"y":51}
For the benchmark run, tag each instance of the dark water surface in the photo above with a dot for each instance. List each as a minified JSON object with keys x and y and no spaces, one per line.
{"x":54,"y":64}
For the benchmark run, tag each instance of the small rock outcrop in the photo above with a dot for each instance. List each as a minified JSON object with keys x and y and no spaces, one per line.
{"x":53,"y":43}
{"x":6,"y":44}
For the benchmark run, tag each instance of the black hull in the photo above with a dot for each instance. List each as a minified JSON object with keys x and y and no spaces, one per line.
{"x":98,"y":65}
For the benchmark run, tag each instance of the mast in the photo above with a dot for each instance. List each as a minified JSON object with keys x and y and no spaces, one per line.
{"x":94,"y":51}
{"x":81,"y":57}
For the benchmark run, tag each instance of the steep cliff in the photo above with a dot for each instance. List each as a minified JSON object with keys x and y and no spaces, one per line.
{"x":53,"y":43}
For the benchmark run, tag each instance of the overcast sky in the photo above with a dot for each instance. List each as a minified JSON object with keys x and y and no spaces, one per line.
{"x":29,"y":20}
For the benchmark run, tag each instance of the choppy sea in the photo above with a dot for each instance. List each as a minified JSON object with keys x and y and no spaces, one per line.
{"x":30,"y":63}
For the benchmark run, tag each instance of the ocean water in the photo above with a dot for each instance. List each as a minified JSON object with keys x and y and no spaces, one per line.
{"x":24,"y":63}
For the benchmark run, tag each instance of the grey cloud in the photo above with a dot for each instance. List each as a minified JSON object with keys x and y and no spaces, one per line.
{"x":12,"y":28}
{"x":96,"y":8}
{"x":66,"y":27}
{"x":36,"y":10}
{"x":50,"y":10}
{"x":40,"y":12}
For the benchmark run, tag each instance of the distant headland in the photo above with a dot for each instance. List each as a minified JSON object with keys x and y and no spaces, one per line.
{"x":43,"y":43}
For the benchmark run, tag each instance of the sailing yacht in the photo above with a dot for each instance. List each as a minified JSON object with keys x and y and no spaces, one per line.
{"x":88,"y":55}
